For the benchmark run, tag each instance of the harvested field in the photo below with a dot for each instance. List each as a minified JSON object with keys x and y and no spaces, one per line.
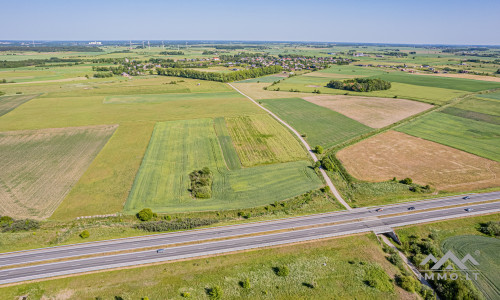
{"x":259,"y":139}
{"x":371,"y":111}
{"x":395,"y":154}
{"x":39,"y":167}
{"x":257,"y":92}
{"x":8,"y":103}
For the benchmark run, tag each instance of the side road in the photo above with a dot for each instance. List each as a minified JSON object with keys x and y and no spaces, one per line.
{"x":309,"y":149}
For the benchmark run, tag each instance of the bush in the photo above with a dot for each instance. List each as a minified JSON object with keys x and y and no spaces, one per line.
{"x":157,"y":226}
{"x":360,"y":84}
{"x":84,"y":234}
{"x":201,"y":183}
{"x":282,"y":271}
{"x":8,"y":224}
{"x":408,"y":283}
{"x":185,"y":295}
{"x":327,"y":164}
{"x":245,"y":283}
{"x":318,"y":149}
{"x":145,"y":214}
{"x":215,"y":293}
{"x":406,"y":181}
{"x":491,"y":228}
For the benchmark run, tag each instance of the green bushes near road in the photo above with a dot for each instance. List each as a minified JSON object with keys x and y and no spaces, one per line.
{"x":179,"y":224}
{"x":360,"y":84}
{"x":282,"y":271}
{"x":490,"y":228}
{"x":318,"y":149}
{"x":215,"y":293}
{"x":84,"y":234}
{"x":8,"y":224}
{"x":145,"y":214}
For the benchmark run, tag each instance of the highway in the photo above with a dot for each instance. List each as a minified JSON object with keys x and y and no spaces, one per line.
{"x":167,"y":239}
{"x":236,"y":244}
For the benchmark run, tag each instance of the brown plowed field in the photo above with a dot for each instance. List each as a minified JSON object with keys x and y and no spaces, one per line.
{"x":395,"y":154}
{"x":39,"y":167}
{"x":371,"y":111}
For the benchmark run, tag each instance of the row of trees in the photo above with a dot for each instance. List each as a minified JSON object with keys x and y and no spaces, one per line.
{"x":360,"y":84}
{"x":171,"y":53}
{"x":51,"y":48}
{"x":221,"y":77}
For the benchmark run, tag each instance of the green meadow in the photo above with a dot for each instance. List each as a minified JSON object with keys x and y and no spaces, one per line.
{"x":180,"y":147}
{"x":321,"y":126}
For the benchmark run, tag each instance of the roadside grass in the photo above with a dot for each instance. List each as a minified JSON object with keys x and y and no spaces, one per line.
{"x":226,"y":143}
{"x":177,"y":148}
{"x":485,"y":251}
{"x":320,"y":125}
{"x":39,"y":167}
{"x":9,"y":103}
{"x":337,"y":268}
{"x":260,"y":140}
{"x":472,"y":136}
{"x":55,"y":232}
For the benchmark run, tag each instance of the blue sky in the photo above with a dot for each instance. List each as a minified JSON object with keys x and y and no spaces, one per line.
{"x":384,"y":21}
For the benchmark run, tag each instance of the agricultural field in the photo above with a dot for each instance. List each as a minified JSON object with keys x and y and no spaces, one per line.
{"x":177,"y":148}
{"x":226,"y":144}
{"x":370,"y":111}
{"x":39,"y":167}
{"x":265,"y":79}
{"x":395,"y":154}
{"x":8,"y":103}
{"x":489,"y":260}
{"x":472,"y":115}
{"x":349,"y":263}
{"x":481,"y":105}
{"x":260,"y":140}
{"x":494,"y":96}
{"x":321,"y":126}
{"x":476,"y":137}
{"x":257,"y":91}
{"x":158,"y":98}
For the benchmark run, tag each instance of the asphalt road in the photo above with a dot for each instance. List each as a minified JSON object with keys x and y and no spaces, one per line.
{"x":158,"y":240}
{"x":217,"y":247}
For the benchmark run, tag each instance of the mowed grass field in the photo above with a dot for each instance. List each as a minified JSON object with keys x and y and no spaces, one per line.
{"x":395,"y":154}
{"x":481,"y":105}
{"x":226,"y":144}
{"x":494,"y":96}
{"x":8,"y":103}
{"x":39,"y":167}
{"x":486,"y":251}
{"x":371,"y":111}
{"x":259,"y":140}
{"x":349,"y":262}
{"x":469,"y":135}
{"x":321,"y":125}
{"x":178,"y":148}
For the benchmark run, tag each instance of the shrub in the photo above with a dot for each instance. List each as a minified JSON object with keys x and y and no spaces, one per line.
{"x":282,"y":271}
{"x":201,"y":183}
{"x":318,"y":149}
{"x":406,"y":181}
{"x":408,"y":283}
{"x":215,"y":293}
{"x":157,"y":226}
{"x":245,"y":283}
{"x":491,"y":228}
{"x":8,"y":224}
{"x":186,"y":295}
{"x":84,"y":234}
{"x":145,"y":214}
{"x":327,"y":164}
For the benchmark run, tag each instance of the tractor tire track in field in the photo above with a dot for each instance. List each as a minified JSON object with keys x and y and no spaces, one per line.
{"x":309,"y":149}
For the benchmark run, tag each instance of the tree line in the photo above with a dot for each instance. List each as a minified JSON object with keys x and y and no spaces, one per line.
{"x":51,"y":48}
{"x":360,"y":84}
{"x":171,"y":53}
{"x":221,"y":77}
{"x":36,"y":62}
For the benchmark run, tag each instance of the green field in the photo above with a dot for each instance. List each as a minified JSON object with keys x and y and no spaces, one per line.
{"x":461,"y":84}
{"x":353,"y":70}
{"x":48,"y":162}
{"x":175,"y":96}
{"x":8,"y":103}
{"x":321,"y":126}
{"x":472,"y":136}
{"x":480,"y":105}
{"x":226,"y":144}
{"x":259,"y":140}
{"x":494,"y":96}
{"x":177,"y":148}
{"x":473,"y":115}
{"x":270,"y":78}
{"x":349,"y":263}
{"x":488,"y":258}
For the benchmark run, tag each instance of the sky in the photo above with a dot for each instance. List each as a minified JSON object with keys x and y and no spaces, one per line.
{"x":382,"y":21}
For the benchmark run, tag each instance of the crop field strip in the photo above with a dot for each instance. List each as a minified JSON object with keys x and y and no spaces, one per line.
{"x":157,"y":98}
{"x":469,"y":135}
{"x":40,"y":166}
{"x":493,"y":96}
{"x":259,"y":140}
{"x":178,"y":147}
{"x":481,"y":105}
{"x":472,"y":115}
{"x":321,"y":126}
{"x":370,"y":111}
{"x":488,"y":258}
{"x":396,"y":154}
{"x":226,"y":143}
{"x":9,"y":103}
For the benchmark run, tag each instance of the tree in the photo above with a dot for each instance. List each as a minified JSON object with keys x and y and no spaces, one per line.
{"x":282,"y":271}
{"x":84,"y":234}
{"x":318,"y":149}
{"x":215,"y":293}
{"x":327,"y":164}
{"x":245,"y":283}
{"x":407,"y":180}
{"x":145,"y":214}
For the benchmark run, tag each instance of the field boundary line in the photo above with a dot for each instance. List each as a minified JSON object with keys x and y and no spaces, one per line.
{"x":309,"y":149}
